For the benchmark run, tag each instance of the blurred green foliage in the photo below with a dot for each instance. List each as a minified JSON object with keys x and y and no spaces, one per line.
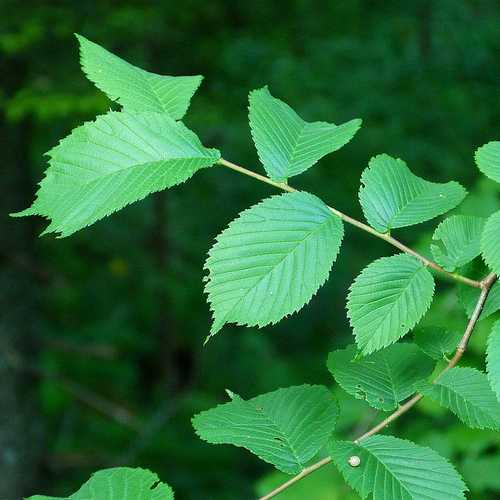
{"x":121,"y":313}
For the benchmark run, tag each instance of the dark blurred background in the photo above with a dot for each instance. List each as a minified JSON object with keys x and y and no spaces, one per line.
{"x":102,"y":360}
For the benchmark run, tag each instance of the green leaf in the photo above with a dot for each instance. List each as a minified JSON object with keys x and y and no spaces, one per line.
{"x":457,"y":241}
{"x":392,"y":196}
{"x":286,"y":144}
{"x":488,"y":160}
{"x":467,"y":393}
{"x":490,"y":242}
{"x":116,"y":160}
{"x":392,"y":468}
{"x":271,"y":260}
{"x":437,"y":342}
{"x":469,"y":296}
{"x":120,"y":483}
{"x":481,"y":473}
{"x":134,"y":88}
{"x":286,"y":427}
{"x":387,"y":300}
{"x":493,"y":358}
{"x":384,"y":378}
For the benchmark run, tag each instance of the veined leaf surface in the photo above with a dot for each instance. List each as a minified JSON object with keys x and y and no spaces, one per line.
{"x":134,"y":88}
{"x":286,"y":427}
{"x":121,"y":483}
{"x":384,"y":378}
{"x":488,"y":160}
{"x":286,"y":144}
{"x":271,"y":260}
{"x":467,"y":393}
{"x":392,"y":196}
{"x":387,"y":300}
{"x":392,"y":468}
{"x":116,"y":160}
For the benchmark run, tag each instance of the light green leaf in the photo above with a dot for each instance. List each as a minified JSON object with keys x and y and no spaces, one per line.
{"x":469,"y":296}
{"x":493,"y":358}
{"x":384,"y":378}
{"x":488,"y":160}
{"x":120,"y":483}
{"x":271,"y":260}
{"x":457,"y":241}
{"x":437,"y":342}
{"x":134,"y":88}
{"x":116,"y":160}
{"x":467,"y":393}
{"x":392,"y":468}
{"x":286,"y":427}
{"x":387,"y":300}
{"x":490,"y":242}
{"x":392,"y":196}
{"x":286,"y":144}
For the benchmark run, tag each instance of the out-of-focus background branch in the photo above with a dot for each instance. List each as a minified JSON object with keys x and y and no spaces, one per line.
{"x":111,"y":321}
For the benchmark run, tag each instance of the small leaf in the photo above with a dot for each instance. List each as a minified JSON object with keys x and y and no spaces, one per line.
{"x":493,"y":358}
{"x":469,"y":296}
{"x":271,"y":260}
{"x":286,"y":144}
{"x":392,"y":196}
{"x":437,"y":342}
{"x":286,"y":427}
{"x":392,"y":468}
{"x":116,"y":160}
{"x":384,"y":378}
{"x":467,"y":393}
{"x":134,"y":88}
{"x":457,"y":241}
{"x":387,"y":300}
{"x":121,"y":483}
{"x":488,"y":160}
{"x":490,"y":242}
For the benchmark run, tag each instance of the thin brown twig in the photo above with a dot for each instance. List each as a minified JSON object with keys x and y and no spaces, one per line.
{"x":486,"y":285}
{"x":360,"y":225}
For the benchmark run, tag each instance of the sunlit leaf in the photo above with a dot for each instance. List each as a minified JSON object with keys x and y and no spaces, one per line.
{"x":392,"y":468}
{"x":387,"y":300}
{"x":488,"y":160}
{"x":467,"y":393}
{"x":392,"y":196}
{"x":287,"y":145}
{"x":121,"y":483}
{"x":134,"y":88}
{"x":286,"y":427}
{"x":383,"y":378}
{"x":456,"y":241}
{"x":116,"y":160}
{"x":271,"y":260}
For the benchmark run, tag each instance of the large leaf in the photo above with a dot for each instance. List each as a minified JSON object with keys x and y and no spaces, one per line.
{"x":392,"y":196}
{"x":116,"y":160}
{"x":271,"y":260}
{"x":387,"y":300}
{"x":467,"y":393}
{"x":456,"y":241}
{"x":134,"y":88}
{"x":493,"y":358}
{"x":490,"y":242}
{"x":384,"y":378}
{"x":469,"y":297}
{"x":437,"y":342}
{"x":488,"y":160}
{"x":121,"y":483}
{"x":286,"y":427}
{"x":286,"y":144}
{"x":392,"y":468}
